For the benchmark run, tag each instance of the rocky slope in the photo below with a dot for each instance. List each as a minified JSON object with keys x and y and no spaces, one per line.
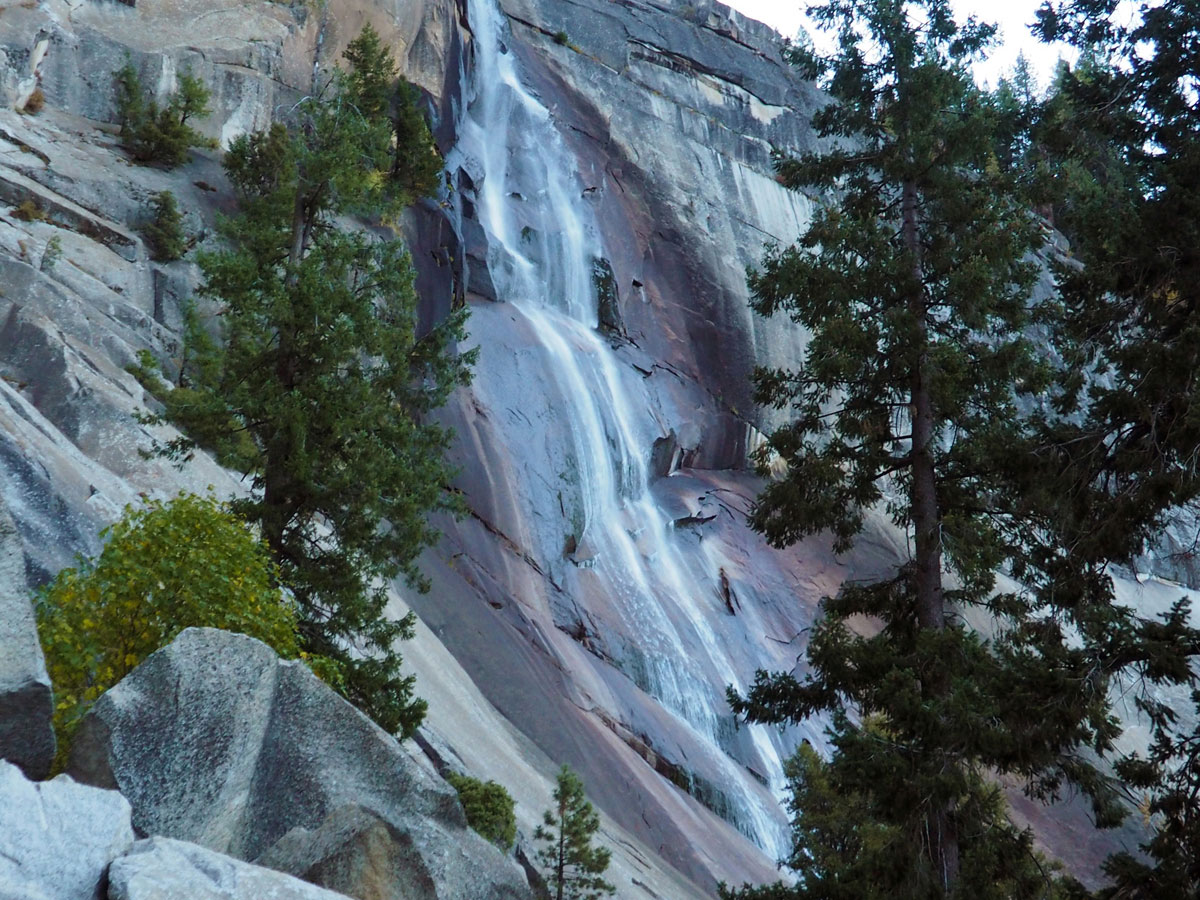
{"x":610,"y":178}
{"x":251,"y":780}
{"x":215,"y":741}
{"x":68,"y":442}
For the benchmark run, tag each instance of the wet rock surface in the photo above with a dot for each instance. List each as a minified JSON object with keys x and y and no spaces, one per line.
{"x":597,"y":619}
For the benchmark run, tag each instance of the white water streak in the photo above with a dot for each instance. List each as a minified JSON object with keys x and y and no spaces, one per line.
{"x":527,"y":178}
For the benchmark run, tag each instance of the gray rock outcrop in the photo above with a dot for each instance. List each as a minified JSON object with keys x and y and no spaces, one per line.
{"x":58,"y":837}
{"x":361,"y":853}
{"x":164,"y":869}
{"x":26,"y":700}
{"x":217,"y":741}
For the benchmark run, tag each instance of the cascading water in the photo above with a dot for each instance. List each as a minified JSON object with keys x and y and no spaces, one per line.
{"x":542,"y":248}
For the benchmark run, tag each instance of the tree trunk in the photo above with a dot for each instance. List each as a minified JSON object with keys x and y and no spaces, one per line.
{"x":926,"y":519}
{"x":276,"y":496}
{"x":561,"y":870}
{"x":280,"y":447}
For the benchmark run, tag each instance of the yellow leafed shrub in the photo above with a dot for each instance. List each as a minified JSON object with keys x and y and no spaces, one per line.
{"x":165,"y":567}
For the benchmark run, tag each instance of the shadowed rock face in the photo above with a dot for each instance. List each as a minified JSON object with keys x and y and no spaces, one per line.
{"x":26,"y":705}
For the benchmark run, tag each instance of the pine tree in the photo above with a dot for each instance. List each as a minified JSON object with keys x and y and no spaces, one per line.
{"x":573,"y":865}
{"x":416,"y":166}
{"x":164,"y":232}
{"x":1135,"y":193}
{"x":845,"y":849}
{"x":1015,"y":104}
{"x":160,"y":134}
{"x":321,"y":387}
{"x":1131,"y":145}
{"x":921,"y":391}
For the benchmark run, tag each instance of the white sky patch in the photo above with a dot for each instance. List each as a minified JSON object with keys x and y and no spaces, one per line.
{"x":1013,"y":16}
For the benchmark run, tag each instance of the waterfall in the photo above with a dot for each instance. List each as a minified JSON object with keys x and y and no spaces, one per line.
{"x":543,"y":243}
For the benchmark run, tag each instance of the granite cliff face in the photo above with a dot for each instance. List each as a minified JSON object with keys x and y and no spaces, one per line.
{"x":609,"y":179}
{"x":606,"y":194}
{"x":613,"y":180}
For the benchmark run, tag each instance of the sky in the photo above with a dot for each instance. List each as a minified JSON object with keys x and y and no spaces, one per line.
{"x":1013,"y":17}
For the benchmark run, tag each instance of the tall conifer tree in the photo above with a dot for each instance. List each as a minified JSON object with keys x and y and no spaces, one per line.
{"x":574,"y":866}
{"x":1131,"y":149}
{"x":321,"y":387}
{"x":920,"y":391}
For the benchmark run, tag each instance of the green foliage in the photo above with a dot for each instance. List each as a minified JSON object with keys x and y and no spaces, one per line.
{"x":1102,"y":453}
{"x":371,"y":79}
{"x":381,"y":94}
{"x":1168,"y":777}
{"x":160,"y":135}
{"x":148,"y":372}
{"x":164,"y":567}
{"x":1124,"y":129}
{"x":562,"y":38}
{"x":164,"y":234}
{"x":1124,"y":132}
{"x":489,"y":808}
{"x":845,"y":847}
{"x":52,"y":254}
{"x":321,"y":388}
{"x":921,"y":391}
{"x":572,"y":864}
{"x":417,"y":165}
